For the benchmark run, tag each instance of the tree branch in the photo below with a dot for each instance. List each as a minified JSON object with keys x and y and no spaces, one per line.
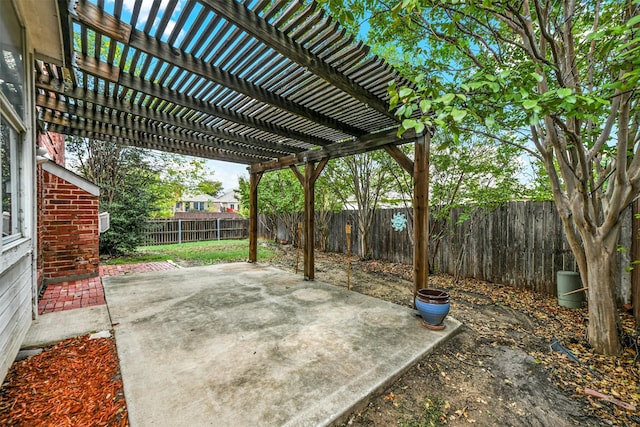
{"x":503,"y":140}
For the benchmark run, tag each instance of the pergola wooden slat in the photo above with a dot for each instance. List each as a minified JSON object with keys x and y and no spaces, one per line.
{"x":270,"y":84}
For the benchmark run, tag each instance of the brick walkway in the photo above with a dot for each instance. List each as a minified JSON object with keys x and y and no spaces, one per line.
{"x":88,"y":292}
{"x":69,"y":295}
{"x":118,"y":270}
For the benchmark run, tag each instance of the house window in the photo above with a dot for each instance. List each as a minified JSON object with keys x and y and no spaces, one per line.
{"x":12,"y":71}
{"x":187,"y":206}
{"x":201,"y":207}
{"x":10,"y":171}
{"x":12,"y":128}
{"x":232,"y":206}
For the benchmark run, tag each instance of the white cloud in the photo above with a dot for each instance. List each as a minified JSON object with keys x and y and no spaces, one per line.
{"x":227,"y":173}
{"x":170,"y":26}
{"x":145,"y":9}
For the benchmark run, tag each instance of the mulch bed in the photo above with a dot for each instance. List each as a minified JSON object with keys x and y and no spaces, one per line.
{"x":74,"y":383}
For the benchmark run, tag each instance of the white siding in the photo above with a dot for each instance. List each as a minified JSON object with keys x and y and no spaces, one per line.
{"x":15,"y":310}
{"x":18,"y":299}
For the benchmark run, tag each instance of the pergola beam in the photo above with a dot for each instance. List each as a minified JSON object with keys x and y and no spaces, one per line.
{"x":141,"y":143}
{"x":259,"y":28}
{"x":91,"y":16}
{"x":129,"y":122}
{"x":86,"y":96}
{"x":402,"y":159}
{"x":107,"y":72}
{"x":339,"y":149}
{"x":67,"y":126}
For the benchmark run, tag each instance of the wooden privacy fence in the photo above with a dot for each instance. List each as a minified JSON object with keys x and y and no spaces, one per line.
{"x":167,"y":231}
{"x":519,"y":243}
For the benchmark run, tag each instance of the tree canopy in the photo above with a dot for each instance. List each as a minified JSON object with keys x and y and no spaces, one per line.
{"x":135,"y":185}
{"x":558,"y":79}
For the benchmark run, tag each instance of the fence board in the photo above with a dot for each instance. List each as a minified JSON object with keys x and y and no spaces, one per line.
{"x":519,"y":243}
{"x":170,"y":231}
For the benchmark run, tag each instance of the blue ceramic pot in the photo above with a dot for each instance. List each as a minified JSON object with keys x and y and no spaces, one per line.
{"x":432,"y":313}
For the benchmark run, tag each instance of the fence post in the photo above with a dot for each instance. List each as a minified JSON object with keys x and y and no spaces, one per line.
{"x":218,"y":227}
{"x":179,"y":231}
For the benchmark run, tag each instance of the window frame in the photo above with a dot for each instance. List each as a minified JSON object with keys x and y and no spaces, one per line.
{"x":16,"y":245}
{"x":18,"y":181}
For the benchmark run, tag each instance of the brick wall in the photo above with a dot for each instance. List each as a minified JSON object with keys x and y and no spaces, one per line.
{"x":68,"y":228}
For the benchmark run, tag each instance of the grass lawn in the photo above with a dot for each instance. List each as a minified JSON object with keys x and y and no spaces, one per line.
{"x":195,"y":253}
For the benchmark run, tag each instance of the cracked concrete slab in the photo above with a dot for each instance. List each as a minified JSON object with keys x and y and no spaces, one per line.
{"x":248,"y":344}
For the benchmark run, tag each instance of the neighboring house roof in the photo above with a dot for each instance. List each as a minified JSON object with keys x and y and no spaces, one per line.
{"x":197,"y":198}
{"x":228,"y":197}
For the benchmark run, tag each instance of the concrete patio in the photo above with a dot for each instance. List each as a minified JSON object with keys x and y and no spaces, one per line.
{"x":247,"y":344}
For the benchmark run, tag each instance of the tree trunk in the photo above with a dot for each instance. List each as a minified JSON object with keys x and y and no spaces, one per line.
{"x":601,"y":283}
{"x":364,"y":233}
{"x":364,"y":244}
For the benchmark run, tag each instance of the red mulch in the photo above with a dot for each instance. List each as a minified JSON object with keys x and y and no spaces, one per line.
{"x":74,"y":383}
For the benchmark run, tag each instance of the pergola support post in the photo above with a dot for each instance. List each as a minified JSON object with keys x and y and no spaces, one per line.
{"x":254,"y":180}
{"x":309,"y":221}
{"x":421,"y":213}
{"x":308,"y":182}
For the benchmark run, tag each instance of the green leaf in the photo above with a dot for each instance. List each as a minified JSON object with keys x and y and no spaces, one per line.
{"x":537,"y":76}
{"x":393,"y":100}
{"x":563,"y":92}
{"x":446,"y":99}
{"x":458,"y":115}
{"x":409,"y":110}
{"x":405,"y":92}
{"x":633,"y":21}
{"x":419,"y":127}
{"x":528,"y":104}
{"x":489,"y":121}
{"x":446,"y":142}
{"x":409,"y":123}
{"x":425,"y":106}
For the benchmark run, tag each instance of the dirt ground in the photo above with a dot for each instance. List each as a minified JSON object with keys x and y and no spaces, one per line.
{"x":500,"y":369}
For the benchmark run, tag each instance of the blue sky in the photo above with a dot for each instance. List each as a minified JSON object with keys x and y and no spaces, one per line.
{"x":227,"y":173}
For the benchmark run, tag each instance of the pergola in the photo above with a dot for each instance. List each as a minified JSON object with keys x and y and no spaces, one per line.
{"x":267,"y":83}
